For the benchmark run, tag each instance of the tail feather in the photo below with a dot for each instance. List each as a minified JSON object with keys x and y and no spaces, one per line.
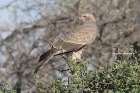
{"x":45,"y":57}
{"x":41,"y":63}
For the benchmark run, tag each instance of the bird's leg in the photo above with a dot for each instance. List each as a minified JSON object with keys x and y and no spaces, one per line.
{"x":80,"y":53}
{"x":77,"y":55}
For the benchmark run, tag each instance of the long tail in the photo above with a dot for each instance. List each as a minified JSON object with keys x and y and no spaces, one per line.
{"x":45,"y":57}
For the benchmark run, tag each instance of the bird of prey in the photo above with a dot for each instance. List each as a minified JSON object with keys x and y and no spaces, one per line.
{"x":73,"y":41}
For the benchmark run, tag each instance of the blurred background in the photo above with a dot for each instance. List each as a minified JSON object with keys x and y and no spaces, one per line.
{"x":26,"y":26}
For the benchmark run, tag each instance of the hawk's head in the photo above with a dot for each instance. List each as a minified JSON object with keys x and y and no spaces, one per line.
{"x":87,"y":18}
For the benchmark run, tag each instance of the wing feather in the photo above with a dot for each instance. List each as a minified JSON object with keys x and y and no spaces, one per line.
{"x":77,"y":38}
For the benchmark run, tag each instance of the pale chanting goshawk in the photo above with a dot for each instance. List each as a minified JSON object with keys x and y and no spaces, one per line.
{"x":73,"y":41}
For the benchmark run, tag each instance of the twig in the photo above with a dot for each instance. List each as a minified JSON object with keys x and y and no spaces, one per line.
{"x":48,"y":41}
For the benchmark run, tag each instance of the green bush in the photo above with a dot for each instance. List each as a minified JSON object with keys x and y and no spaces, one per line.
{"x":6,"y":88}
{"x":122,"y":77}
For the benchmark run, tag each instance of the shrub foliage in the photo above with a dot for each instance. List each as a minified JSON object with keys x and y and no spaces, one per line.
{"x":122,"y":77}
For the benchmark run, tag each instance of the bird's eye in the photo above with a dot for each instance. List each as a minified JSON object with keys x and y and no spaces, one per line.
{"x":84,"y":16}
